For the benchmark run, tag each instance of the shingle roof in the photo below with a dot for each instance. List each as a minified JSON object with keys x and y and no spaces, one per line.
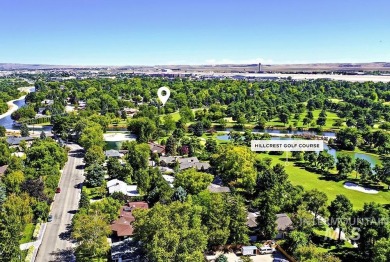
{"x":213,"y":188}
{"x":283,"y":222}
{"x":13,"y":140}
{"x":3,"y":169}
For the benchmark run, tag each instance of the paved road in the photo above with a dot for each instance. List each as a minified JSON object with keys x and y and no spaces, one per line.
{"x":56,"y":244}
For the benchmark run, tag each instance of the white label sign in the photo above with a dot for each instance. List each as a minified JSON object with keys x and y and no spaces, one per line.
{"x":287,"y":145}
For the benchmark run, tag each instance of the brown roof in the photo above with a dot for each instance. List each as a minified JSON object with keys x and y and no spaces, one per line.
{"x":122,"y":226}
{"x":156,"y":148}
{"x":3,"y":169}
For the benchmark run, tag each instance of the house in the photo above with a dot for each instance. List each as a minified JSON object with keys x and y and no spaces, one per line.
{"x":284,"y":225}
{"x":213,"y":188}
{"x":116,"y":185}
{"x":122,"y":227}
{"x":125,"y":251}
{"x":3,"y":169}
{"x":113,"y":153}
{"x":156,"y":148}
{"x":130,"y":111}
{"x":14,"y":141}
{"x":184,"y":162}
{"x":251,"y":219}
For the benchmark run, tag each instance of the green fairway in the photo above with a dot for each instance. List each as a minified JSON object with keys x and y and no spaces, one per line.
{"x":309,"y":180}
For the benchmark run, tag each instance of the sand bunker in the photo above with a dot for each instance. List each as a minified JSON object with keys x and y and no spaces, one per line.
{"x":353,"y":186}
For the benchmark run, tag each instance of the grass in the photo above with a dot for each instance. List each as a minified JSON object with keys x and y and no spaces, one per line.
{"x":309,"y":180}
{"x":27,"y":233}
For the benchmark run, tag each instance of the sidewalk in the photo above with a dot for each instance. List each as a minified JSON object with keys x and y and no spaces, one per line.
{"x":35,"y":243}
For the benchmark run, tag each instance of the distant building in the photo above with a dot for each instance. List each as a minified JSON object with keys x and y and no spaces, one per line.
{"x":15,"y":141}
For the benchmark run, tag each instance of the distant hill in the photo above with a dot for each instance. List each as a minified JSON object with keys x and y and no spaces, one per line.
{"x":228,"y":68}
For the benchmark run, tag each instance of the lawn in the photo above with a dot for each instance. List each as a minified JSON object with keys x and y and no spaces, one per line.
{"x":27,"y":233}
{"x":330,"y":120}
{"x":310,"y":180}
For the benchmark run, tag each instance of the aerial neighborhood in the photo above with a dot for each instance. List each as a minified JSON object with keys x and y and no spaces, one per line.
{"x":135,"y":180}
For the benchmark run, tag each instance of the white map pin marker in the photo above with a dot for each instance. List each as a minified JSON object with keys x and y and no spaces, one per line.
{"x":163,"y":98}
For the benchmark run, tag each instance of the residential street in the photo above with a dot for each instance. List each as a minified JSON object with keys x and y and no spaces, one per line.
{"x":56,"y":244}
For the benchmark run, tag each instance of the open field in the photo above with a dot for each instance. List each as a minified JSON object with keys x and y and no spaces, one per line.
{"x":309,"y":180}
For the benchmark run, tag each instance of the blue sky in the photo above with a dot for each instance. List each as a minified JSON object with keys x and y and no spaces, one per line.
{"x":139,"y":32}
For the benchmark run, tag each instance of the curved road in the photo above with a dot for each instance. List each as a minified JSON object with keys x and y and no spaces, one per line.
{"x":56,"y":243}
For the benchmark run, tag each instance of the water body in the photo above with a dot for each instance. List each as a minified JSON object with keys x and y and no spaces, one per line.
{"x":370,"y":158}
{"x":7,"y":121}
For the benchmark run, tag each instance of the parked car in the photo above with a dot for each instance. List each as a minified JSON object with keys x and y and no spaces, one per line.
{"x":49,"y":218}
{"x":58,"y":190}
{"x":267,"y":250}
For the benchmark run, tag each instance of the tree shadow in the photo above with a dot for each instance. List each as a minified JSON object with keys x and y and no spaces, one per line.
{"x":66,"y":235}
{"x":65,"y":255}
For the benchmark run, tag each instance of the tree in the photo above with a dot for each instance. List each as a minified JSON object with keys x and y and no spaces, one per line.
{"x":266,"y":220}
{"x":198,"y":128}
{"x":5,"y":153}
{"x":325,"y":160}
{"x":296,"y":239}
{"x":315,"y":201}
{"x":42,"y":135}
{"x":169,"y":123}
{"x":347,"y":138}
{"x":238,"y":217}
{"x":311,"y":253}
{"x":95,"y":175}
{"x":186,"y":115}
{"x":35,"y":188}
{"x":236,"y":162}
{"x":2,"y":131}
{"x":193,"y":181}
{"x":372,"y":227}
{"x":171,"y":146}
{"x":3,"y":193}
{"x":114,"y":168}
{"x":363,"y":167}
{"x":24,"y":132}
{"x":340,"y":211}
{"x":215,"y":217}
{"x":211,"y":146}
{"x":381,"y":250}
{"x":171,"y":232}
{"x":91,"y":232}
{"x":138,"y":155}
{"x":311,"y":158}
{"x":15,"y":213}
{"x":92,"y":135}
{"x":344,"y":165}
{"x":321,"y":121}
{"x":180,"y":194}
{"x":261,"y":122}
{"x":303,"y":220}
{"x":144,"y":128}
{"x":94,"y":155}
{"x":13,"y":181}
